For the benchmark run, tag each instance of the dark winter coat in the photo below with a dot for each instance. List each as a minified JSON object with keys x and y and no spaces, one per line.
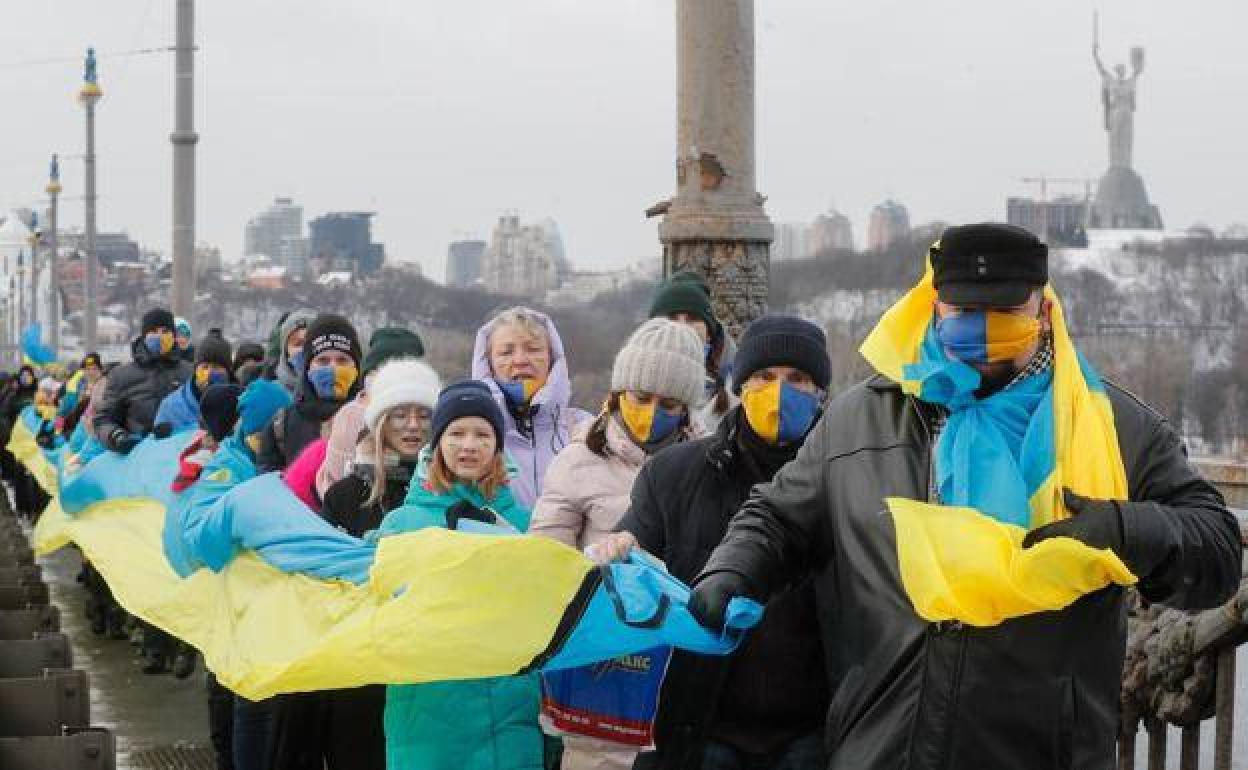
{"x":135,"y":390}
{"x":345,"y":500}
{"x":294,"y":428}
{"x":772,"y":690}
{"x":1039,"y":691}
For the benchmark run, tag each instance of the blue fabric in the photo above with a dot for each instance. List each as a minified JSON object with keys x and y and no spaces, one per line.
{"x":33,"y":347}
{"x":993,"y":453}
{"x":179,"y":409}
{"x":264,"y":516}
{"x":231,"y":465}
{"x":146,"y":472}
{"x":639,"y":605}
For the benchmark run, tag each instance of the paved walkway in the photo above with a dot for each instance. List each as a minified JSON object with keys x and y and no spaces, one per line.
{"x":160,"y":722}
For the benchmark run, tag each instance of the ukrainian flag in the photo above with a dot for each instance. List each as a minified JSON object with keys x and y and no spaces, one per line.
{"x":279,"y":601}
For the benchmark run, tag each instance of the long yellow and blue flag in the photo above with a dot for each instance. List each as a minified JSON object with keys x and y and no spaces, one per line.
{"x":277,"y":600}
{"x":965,"y":561}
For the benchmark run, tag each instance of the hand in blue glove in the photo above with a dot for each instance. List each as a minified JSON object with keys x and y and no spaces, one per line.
{"x":259,"y":404}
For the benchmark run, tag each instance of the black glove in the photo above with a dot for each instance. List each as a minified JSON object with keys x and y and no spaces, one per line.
{"x":1143,"y":543}
{"x":711,"y":593}
{"x":122,"y":442}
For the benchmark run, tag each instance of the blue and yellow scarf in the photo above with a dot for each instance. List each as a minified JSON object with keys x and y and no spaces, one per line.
{"x":1001,"y":466}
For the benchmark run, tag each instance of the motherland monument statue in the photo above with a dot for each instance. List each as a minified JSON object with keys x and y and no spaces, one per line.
{"x":1121,"y":198}
{"x":1118,"y":101}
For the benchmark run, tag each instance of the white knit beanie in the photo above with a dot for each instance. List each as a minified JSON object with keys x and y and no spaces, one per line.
{"x":401,"y":381}
{"x":662,"y":357}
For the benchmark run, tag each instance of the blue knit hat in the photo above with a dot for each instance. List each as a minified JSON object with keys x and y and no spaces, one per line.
{"x":469,"y":398}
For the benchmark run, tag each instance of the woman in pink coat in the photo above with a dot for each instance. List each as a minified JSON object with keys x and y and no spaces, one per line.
{"x":657,"y":375}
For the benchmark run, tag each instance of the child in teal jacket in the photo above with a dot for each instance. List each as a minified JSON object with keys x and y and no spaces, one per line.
{"x":480,"y":724}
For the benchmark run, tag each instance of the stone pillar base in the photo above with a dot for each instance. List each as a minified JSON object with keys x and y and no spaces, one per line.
{"x":736,"y":271}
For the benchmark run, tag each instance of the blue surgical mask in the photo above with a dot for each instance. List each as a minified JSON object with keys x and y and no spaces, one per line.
{"x":296,"y":361}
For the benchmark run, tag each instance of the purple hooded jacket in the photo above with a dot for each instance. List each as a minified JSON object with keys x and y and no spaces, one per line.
{"x":553,"y":420}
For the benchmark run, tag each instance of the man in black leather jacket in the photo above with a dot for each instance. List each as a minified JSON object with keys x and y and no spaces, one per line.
{"x":1037,"y":691}
{"x":134,"y":391}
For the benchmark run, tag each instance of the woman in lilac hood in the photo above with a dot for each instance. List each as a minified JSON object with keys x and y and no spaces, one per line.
{"x":519,"y":355}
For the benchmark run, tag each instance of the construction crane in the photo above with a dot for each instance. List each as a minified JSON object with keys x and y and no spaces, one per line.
{"x":1044,"y":182}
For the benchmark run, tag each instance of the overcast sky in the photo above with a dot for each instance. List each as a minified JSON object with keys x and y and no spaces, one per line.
{"x":441,"y":115}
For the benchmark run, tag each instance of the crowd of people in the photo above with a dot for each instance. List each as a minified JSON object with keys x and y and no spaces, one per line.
{"x":726,"y":459}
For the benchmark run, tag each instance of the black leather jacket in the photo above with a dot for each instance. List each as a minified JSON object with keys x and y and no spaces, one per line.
{"x":134,"y":391}
{"x":1039,"y":691}
{"x":772,"y":690}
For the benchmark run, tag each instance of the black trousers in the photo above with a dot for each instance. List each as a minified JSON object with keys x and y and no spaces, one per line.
{"x":221,"y":723}
{"x":334,"y":729}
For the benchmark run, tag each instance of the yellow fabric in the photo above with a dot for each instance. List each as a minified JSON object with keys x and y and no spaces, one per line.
{"x":296,"y":633}
{"x":993,"y":579}
{"x":958,"y":564}
{"x":23,"y":447}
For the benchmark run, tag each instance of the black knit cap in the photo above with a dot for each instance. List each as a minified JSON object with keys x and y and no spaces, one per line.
{"x":214,"y":349}
{"x":988,"y":264}
{"x":156,"y":318}
{"x":392,"y":342}
{"x":782,"y":340}
{"x":685,"y":292}
{"x":331,"y":332}
{"x":469,"y":398}
{"x":218,"y":409}
{"x":248,"y":351}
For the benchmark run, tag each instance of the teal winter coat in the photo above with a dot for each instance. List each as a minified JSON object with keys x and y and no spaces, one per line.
{"x":478,"y":724}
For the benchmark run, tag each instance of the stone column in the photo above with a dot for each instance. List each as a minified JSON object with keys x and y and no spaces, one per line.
{"x":716,"y":225}
{"x":89,"y":96}
{"x":54,"y":280}
{"x":184,"y":140}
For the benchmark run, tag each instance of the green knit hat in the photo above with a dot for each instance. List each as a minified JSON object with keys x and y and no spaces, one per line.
{"x":392,"y":342}
{"x":685,"y":292}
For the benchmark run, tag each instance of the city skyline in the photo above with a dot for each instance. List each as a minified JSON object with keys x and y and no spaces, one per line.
{"x":412,"y":117}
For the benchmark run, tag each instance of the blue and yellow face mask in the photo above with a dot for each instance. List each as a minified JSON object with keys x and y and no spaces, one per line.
{"x":333,"y":382}
{"x":207,"y":375}
{"x":158,"y":343}
{"x":987,"y":336}
{"x":520,"y":392}
{"x":649,"y":423}
{"x":779,"y":413}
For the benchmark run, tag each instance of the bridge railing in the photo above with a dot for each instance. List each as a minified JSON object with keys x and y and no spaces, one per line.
{"x":1217,"y":632}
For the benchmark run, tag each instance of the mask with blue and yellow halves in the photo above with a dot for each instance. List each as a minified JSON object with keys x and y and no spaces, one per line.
{"x":520,"y":392}
{"x":779,"y":413}
{"x":649,"y":423}
{"x":333,"y":382}
{"x":158,"y":343}
{"x":987,"y":337}
{"x":207,"y":376}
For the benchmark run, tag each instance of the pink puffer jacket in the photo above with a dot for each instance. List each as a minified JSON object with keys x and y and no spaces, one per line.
{"x":585,"y":495}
